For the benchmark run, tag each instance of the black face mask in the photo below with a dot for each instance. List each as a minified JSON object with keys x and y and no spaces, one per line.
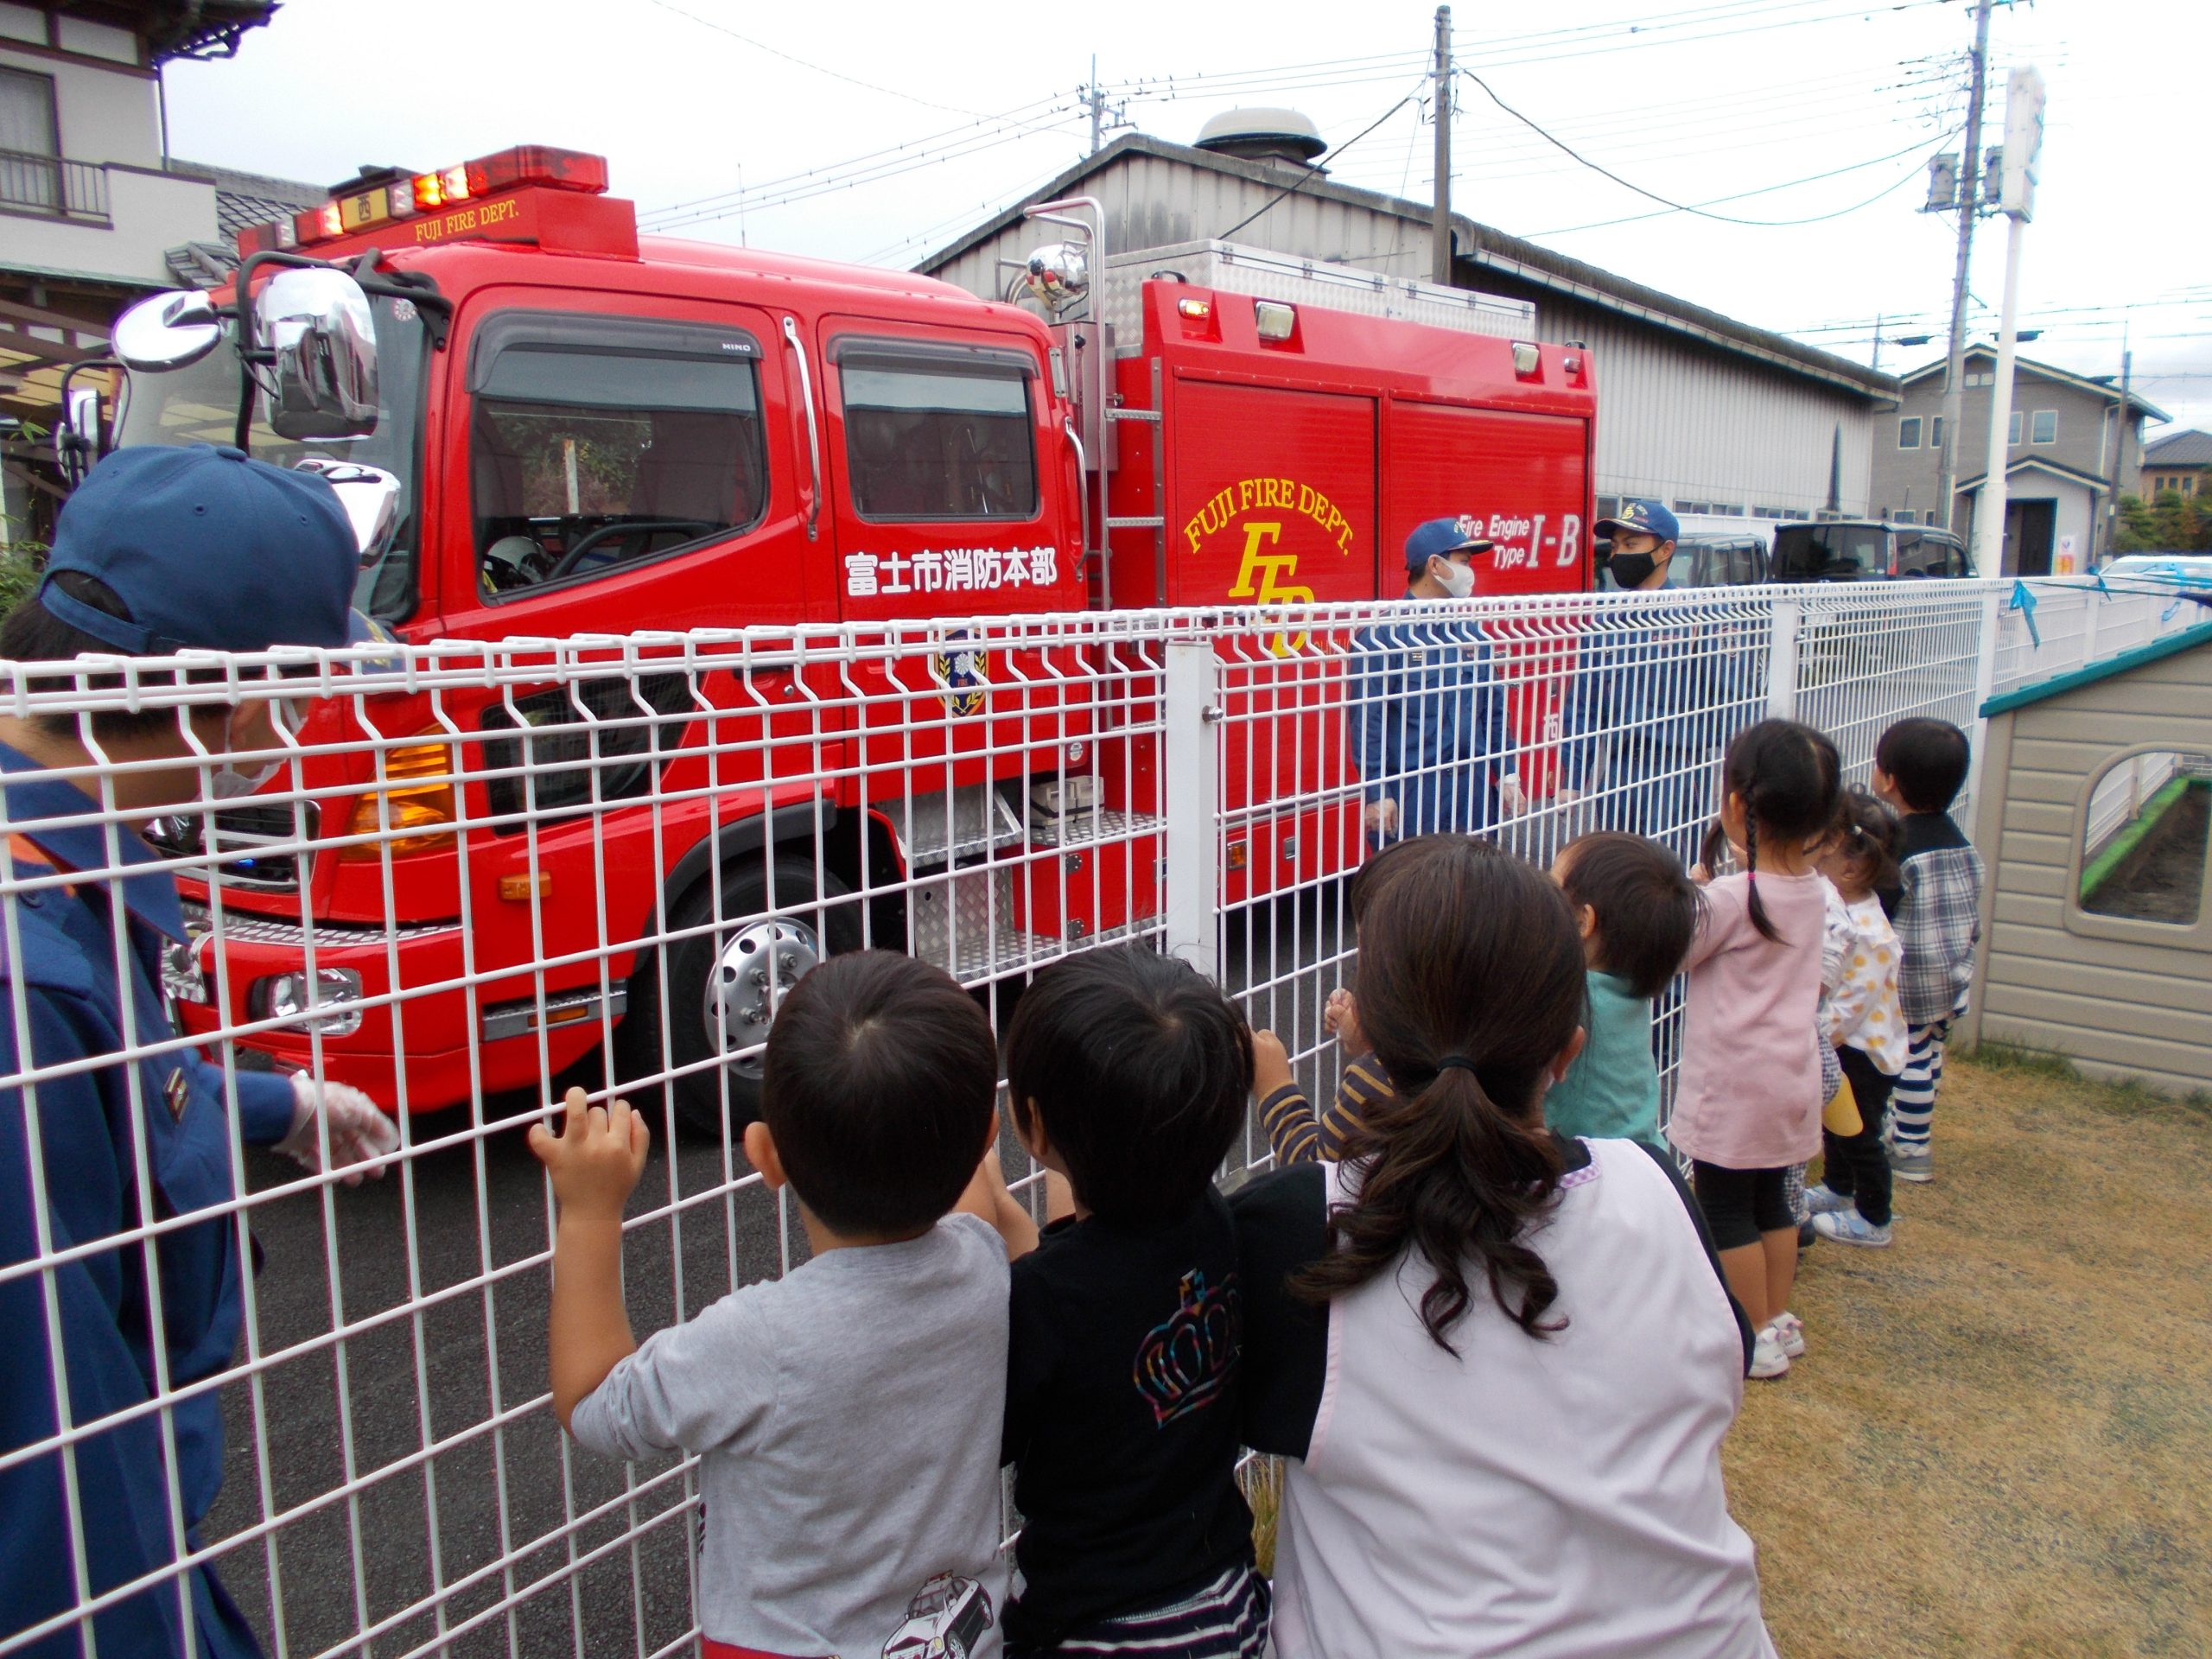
{"x":1631,"y":569}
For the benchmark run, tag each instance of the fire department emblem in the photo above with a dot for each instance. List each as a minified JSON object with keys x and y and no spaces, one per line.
{"x":963,"y":667}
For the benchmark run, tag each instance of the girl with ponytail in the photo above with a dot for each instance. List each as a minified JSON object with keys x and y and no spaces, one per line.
{"x":1748,"y":1098}
{"x":1504,"y":1360}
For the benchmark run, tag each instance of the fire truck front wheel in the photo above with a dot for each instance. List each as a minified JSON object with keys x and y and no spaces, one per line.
{"x":724,"y":986}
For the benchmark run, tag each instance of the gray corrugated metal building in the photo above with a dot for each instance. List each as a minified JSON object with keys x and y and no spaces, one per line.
{"x":1694,"y":408}
{"x":2096,"y":936}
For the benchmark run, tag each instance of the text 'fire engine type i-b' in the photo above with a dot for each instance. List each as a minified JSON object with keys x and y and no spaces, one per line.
{"x":547,"y":427}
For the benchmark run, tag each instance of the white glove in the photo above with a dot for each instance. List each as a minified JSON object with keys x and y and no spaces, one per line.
{"x":356,"y":1128}
{"x":1567,"y":795}
{"x":1512,"y":801}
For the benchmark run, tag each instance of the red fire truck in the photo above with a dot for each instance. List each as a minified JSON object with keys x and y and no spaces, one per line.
{"x":549,"y":426}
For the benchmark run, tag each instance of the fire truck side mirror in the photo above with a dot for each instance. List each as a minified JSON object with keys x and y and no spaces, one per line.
{"x":316,"y":325}
{"x":369,"y":496}
{"x":170,"y":331}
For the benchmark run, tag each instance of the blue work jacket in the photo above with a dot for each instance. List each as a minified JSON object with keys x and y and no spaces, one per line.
{"x":63,"y":989}
{"x":1658,"y":694}
{"x":1427,"y":723}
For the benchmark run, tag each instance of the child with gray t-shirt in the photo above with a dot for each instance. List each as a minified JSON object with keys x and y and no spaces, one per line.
{"x":847,"y":1416}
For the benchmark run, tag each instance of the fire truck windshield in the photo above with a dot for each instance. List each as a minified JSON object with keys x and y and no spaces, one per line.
{"x":198,"y":404}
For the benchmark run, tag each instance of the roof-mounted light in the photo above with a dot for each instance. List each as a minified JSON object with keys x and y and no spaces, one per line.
{"x":525,"y":165}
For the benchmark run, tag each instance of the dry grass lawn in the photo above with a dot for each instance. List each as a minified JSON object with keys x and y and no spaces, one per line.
{"x":2001,"y":1441}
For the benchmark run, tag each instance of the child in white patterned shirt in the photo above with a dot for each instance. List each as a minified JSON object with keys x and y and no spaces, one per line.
{"x":1862,"y":1020}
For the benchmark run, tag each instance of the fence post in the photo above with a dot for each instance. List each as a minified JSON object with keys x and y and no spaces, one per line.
{"x":2089,"y":612}
{"x":1782,"y":660}
{"x":1984,"y":683}
{"x":1192,"y":782}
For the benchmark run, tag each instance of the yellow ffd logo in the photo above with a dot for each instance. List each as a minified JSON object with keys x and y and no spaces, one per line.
{"x":1256,"y":576}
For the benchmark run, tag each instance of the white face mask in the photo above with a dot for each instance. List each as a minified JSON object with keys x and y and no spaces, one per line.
{"x":1458,"y":579}
{"x":229,"y":780}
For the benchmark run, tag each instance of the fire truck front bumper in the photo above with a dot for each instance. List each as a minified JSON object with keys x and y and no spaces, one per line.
{"x":431,"y":1046}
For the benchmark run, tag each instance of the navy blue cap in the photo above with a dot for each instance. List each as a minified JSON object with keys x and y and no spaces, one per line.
{"x":1441,"y":538}
{"x":209,"y":551}
{"x":1645,"y":518}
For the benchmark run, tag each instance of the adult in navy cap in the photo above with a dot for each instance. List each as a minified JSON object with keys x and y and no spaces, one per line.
{"x":1651,"y":701}
{"x":1427,"y":715}
{"x":160,"y":551}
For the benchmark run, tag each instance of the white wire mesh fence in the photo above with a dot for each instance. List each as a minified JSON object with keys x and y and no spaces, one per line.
{"x":480,"y":873}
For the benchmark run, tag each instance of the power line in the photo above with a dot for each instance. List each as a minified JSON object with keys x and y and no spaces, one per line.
{"x":834,"y":74}
{"x":1667,"y":202}
{"x":1791,"y":184}
{"x":1306,"y":178}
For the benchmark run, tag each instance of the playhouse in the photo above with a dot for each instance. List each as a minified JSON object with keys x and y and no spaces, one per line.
{"x":2096,"y":936}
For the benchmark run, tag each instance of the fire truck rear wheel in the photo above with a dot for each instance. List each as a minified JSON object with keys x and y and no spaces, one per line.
{"x":724,"y":987}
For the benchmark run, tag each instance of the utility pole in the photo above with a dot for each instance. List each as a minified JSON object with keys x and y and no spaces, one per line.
{"x":1876,"y":364}
{"x":2023,"y":120}
{"x":1093,"y":97}
{"x":1954,"y":376}
{"x":2120,"y":424}
{"x":1439,"y":268}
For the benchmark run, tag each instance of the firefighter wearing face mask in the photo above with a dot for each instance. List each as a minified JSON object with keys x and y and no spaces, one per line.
{"x":1647,"y":699}
{"x":1426,"y":714}
{"x":106,"y":1127}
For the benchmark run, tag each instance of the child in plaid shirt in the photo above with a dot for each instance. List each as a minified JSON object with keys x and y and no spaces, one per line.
{"x":1920,"y":765}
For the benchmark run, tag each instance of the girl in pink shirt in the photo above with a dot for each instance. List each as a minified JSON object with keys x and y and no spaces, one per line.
{"x":1747,"y":1103}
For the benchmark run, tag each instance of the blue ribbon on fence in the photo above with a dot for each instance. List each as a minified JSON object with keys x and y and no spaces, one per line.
{"x":2024,"y":602}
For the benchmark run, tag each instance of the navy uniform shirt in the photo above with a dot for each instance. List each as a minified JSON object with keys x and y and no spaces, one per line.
{"x":1427,"y":720}
{"x":64,"y":1002}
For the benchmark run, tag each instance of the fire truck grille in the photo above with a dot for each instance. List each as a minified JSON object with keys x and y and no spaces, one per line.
{"x":259,"y":847}
{"x":580,"y":745}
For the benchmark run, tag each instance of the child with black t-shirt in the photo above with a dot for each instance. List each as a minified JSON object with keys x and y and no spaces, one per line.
{"x":1127,"y":1074}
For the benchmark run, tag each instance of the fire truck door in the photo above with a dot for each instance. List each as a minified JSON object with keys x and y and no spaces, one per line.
{"x":635,"y":465}
{"x":948,"y":481}
{"x":1271,"y":495}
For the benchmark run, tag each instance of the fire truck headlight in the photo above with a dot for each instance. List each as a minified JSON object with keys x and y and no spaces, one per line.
{"x":296,"y":996}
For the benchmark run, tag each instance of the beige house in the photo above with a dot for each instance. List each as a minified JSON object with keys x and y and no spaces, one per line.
{"x":2096,"y":934}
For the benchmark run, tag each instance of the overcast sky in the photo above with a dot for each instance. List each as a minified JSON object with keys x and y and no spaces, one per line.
{"x":694,"y":101}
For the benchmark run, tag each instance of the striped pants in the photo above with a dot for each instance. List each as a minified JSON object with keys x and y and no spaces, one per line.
{"x":1228,"y":1619}
{"x":1912,"y":1103}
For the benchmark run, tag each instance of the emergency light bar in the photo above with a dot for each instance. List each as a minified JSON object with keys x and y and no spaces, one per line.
{"x":403,"y":198}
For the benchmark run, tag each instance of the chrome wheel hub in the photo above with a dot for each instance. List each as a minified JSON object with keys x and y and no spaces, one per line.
{"x":757,"y":966}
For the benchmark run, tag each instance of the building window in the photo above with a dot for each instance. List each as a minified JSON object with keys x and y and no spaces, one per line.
{"x":2012,"y":432}
{"x":1908,"y":432}
{"x":1936,"y":433}
{"x":2045,"y":429}
{"x":1609,"y":506}
{"x":30,"y":168}
{"x":1907,"y":515}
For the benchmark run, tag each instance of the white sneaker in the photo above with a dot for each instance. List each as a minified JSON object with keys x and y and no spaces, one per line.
{"x":1821,"y":1199}
{"x":1768,"y":1359}
{"x":1789,"y":1333}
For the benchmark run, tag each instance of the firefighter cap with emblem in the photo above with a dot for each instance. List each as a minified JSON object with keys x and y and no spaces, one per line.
{"x":1643,"y":518}
{"x":1440,"y":539}
{"x":208,"y":549}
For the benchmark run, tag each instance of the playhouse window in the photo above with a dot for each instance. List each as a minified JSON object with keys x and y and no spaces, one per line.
{"x":2144,"y":839}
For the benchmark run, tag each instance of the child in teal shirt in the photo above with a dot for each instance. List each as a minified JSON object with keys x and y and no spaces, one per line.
{"x":1639,"y":912}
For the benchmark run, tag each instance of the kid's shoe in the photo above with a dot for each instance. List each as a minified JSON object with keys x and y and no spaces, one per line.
{"x":1911,"y":1163}
{"x":1789,"y":1333}
{"x":1822,"y":1198}
{"x":1849,"y":1227}
{"x":1806,"y":1237}
{"x":1768,"y":1359}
